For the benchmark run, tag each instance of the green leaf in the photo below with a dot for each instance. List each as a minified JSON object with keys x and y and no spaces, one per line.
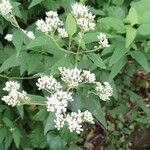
{"x":90,"y":37}
{"x":97,"y":60}
{"x":36,"y":100}
{"x":117,"y":68}
{"x":37,"y":137}
{"x":144,"y":29}
{"x":50,"y":124}
{"x":66,"y":61}
{"x":12,"y":61}
{"x":55,"y":142}
{"x":113,"y":24}
{"x":33,"y":61}
{"x":17,"y":137}
{"x":71,"y":25}
{"x":130,"y":36}
{"x":120,"y":51}
{"x":35,"y":2}
{"x":18,"y":39}
{"x":139,"y":13}
{"x":92,"y":103}
{"x":139,"y":101}
{"x":141,"y":59}
{"x":117,"y":2}
{"x":67,"y":135}
{"x":3,"y":132}
{"x":21,"y":111}
{"x":8,"y":122}
{"x":8,"y":140}
{"x":39,"y":41}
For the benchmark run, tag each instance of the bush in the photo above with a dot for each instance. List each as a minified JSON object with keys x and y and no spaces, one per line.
{"x":74,"y":77}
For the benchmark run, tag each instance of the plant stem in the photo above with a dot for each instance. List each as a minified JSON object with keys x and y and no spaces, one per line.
{"x":18,"y":78}
{"x":60,"y":48}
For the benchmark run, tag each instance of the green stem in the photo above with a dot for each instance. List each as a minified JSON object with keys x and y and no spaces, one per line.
{"x":94,"y":50}
{"x":18,"y":78}
{"x":60,"y":48}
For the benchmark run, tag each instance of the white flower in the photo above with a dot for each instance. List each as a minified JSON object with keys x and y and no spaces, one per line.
{"x":58,"y":102}
{"x":59,"y":121}
{"x":62,"y":32}
{"x":5,"y":7}
{"x":41,"y":25}
{"x":51,"y":23}
{"x":104,"y":90}
{"x":103,"y":41}
{"x":74,"y":121}
{"x":87,"y":117}
{"x":11,"y":99}
{"x":88,"y":76}
{"x":8,"y":37}
{"x":14,"y":97}
{"x":71,"y":76}
{"x":31,"y":35}
{"x":11,"y":86}
{"x":48,"y":83}
{"x":84,"y":18}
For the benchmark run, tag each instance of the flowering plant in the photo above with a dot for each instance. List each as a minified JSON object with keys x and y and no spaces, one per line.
{"x":65,"y":63}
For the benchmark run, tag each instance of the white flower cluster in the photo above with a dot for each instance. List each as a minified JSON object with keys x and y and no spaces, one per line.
{"x":58,"y":102}
{"x":30,"y":34}
{"x":14,"y":97}
{"x":73,"y":77}
{"x":104,"y":90}
{"x":76,"y":119}
{"x":103,"y":41}
{"x":84,"y":18}
{"x":51,"y":24}
{"x":48,"y":83}
{"x":8,"y":37}
{"x":5,"y":7}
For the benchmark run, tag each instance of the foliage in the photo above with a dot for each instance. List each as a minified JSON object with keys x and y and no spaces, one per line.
{"x":127,"y":24}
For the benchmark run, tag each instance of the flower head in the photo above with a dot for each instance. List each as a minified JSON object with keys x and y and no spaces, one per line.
{"x":14,"y":97}
{"x":5,"y":7}
{"x":58,"y":102}
{"x":71,"y":76}
{"x":84,"y":18}
{"x":104,"y":90}
{"x":11,"y":86}
{"x":8,"y":37}
{"x":103,"y":41}
{"x":51,"y":23}
{"x":75,"y":120}
{"x":88,"y":76}
{"x":62,"y":32}
{"x":48,"y":83}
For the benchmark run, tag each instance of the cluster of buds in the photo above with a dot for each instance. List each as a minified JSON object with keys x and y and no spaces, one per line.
{"x":14,"y":97}
{"x":73,"y":77}
{"x":103,"y":41}
{"x":104,"y":91}
{"x":5,"y":7}
{"x":51,"y":24}
{"x":84,"y":18}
